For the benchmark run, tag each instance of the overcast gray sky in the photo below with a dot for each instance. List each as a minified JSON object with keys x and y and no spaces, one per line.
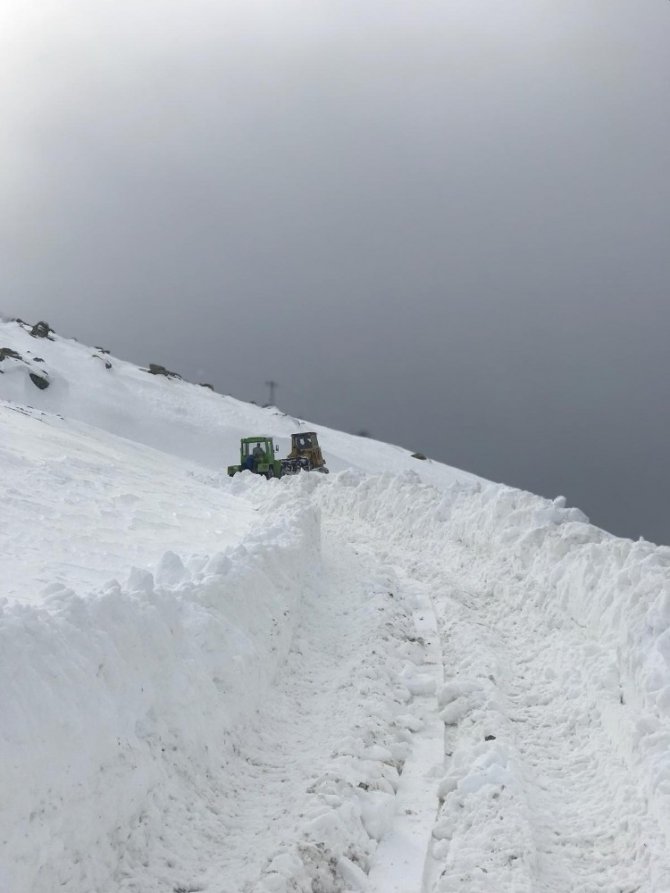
{"x":445,"y":222}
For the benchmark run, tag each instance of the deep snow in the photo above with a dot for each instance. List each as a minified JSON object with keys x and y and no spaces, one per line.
{"x":394,"y":678}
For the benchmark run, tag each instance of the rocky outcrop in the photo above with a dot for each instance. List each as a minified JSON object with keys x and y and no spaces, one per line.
{"x":96,"y":356}
{"x":8,"y":352}
{"x":42,"y":329}
{"x":40,"y":381}
{"x":156,"y":369}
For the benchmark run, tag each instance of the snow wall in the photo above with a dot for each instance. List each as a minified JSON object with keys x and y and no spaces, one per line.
{"x":147,"y":678}
{"x":525,"y":548}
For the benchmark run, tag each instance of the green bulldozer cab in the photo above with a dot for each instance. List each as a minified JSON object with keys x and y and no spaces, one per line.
{"x":257,"y":454}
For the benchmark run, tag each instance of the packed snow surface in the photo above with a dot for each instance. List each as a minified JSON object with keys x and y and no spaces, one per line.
{"x":395,"y":678}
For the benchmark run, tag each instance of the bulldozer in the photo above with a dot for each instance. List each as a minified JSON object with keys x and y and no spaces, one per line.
{"x":257,"y":454}
{"x":305,"y":446}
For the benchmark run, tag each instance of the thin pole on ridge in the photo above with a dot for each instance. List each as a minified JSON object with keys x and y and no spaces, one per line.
{"x":272,"y":385}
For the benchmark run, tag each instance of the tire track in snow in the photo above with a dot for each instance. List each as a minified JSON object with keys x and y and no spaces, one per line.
{"x":402,"y":859}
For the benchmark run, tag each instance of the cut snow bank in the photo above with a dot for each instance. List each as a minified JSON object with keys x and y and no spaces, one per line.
{"x":616,"y":588}
{"x":497,"y":557}
{"x":619,"y":588}
{"x":113,"y":701}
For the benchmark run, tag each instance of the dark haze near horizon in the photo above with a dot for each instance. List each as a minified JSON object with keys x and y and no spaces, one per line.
{"x":446,"y":223}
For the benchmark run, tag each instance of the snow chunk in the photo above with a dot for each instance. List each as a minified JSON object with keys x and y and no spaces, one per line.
{"x":171,"y":570}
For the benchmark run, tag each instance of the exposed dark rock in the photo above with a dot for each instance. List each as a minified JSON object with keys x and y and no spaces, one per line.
{"x":39,"y":381}
{"x":419,"y":456}
{"x":203,"y":384}
{"x":96,"y":356}
{"x":42,"y":329}
{"x":102,"y":349}
{"x":490,"y":738}
{"x":156,"y":369}
{"x":8,"y":352}
{"x":38,"y":359}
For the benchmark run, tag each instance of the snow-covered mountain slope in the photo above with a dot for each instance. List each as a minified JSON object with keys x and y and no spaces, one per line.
{"x":182,"y":419}
{"x":396,"y":678}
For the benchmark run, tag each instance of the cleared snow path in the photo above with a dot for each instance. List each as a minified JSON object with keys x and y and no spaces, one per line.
{"x":400,"y":860}
{"x":298,"y":794}
{"x":283,"y":798}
